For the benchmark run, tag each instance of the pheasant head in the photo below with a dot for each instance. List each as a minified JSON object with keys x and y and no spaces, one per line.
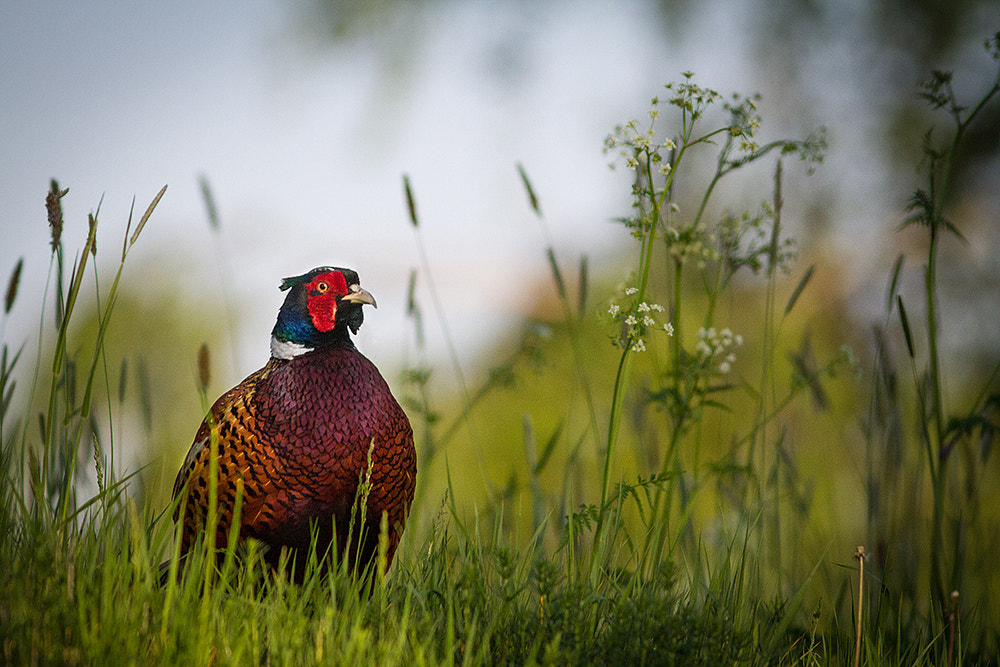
{"x":319,"y":310}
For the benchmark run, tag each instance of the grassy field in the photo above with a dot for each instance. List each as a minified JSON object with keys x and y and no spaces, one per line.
{"x":694,"y":458}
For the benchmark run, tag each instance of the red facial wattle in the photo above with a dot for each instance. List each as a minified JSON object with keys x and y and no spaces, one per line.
{"x":323,"y":291}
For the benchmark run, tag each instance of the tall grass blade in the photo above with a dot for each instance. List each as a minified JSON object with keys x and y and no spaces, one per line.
{"x":145,"y":216}
{"x":797,"y":292}
{"x":411,"y":205}
{"x":210,"y":208}
{"x":773,"y":247}
{"x":548,"y":449}
{"x":905,"y":322}
{"x":532,"y":197}
{"x":122,"y":380}
{"x":556,"y":273}
{"x":204,"y":368}
{"x":12,"y":284}
{"x":897,"y":270}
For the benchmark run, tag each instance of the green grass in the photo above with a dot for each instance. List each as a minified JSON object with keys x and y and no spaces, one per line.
{"x":670,"y":497}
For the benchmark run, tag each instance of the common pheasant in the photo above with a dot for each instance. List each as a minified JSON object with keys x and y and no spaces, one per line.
{"x":300,"y":434}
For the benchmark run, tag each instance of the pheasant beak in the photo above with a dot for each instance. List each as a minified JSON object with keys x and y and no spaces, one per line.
{"x":358,"y":295}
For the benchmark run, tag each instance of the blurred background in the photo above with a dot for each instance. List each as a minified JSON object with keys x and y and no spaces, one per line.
{"x":301,"y":118}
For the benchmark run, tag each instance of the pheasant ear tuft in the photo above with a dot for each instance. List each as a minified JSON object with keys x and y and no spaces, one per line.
{"x":289,"y":283}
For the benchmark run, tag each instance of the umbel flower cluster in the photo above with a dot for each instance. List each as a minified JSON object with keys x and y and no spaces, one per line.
{"x":699,"y":242}
{"x":636,"y":320}
{"x":717,"y":348}
{"x":634,"y":145}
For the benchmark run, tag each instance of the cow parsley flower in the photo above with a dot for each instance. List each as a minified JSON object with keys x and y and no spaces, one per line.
{"x":634,"y":319}
{"x":717,"y":348}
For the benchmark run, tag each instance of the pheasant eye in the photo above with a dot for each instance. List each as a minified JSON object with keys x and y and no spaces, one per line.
{"x":322,"y":287}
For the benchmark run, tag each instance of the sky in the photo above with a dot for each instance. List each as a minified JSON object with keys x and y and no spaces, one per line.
{"x":305,"y":148}
{"x":305,"y":152}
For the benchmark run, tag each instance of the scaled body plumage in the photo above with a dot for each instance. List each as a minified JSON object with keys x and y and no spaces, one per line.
{"x":295,"y":438}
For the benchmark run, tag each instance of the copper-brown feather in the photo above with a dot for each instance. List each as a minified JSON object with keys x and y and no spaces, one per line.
{"x":297,"y":435}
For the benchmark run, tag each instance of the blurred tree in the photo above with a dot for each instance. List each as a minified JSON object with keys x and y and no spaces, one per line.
{"x":903,"y":39}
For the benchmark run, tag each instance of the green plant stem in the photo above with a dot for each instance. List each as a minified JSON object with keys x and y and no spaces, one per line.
{"x":937,"y":464}
{"x":940,"y":180}
{"x":658,"y":199}
{"x":624,"y":364}
{"x":618,"y":398}
{"x":43,"y":473}
{"x":58,"y":366}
